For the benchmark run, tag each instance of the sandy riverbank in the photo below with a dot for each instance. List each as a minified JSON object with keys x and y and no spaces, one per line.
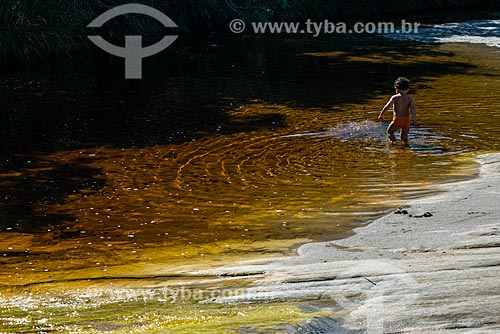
{"x":432,"y":267}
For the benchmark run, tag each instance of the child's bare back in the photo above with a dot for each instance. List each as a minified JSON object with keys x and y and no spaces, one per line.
{"x":402,"y":104}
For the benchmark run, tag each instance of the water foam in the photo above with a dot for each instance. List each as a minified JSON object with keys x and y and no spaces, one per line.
{"x":485,"y":32}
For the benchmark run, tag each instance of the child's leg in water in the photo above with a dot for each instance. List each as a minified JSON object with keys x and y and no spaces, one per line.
{"x":391,"y":137}
{"x":390,"y":132}
{"x":404,"y":135}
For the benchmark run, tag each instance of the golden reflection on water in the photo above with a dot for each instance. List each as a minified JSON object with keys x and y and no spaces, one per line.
{"x":313,"y":174}
{"x":312,"y":178}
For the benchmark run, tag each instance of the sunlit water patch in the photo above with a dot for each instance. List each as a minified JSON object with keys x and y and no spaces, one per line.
{"x":374,"y":133}
{"x":348,"y":130}
{"x":485,"y":32}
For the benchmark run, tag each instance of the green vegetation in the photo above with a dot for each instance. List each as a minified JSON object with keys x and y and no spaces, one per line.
{"x":36,"y":29}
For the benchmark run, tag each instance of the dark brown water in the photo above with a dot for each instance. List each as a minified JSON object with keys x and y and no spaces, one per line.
{"x":232,"y":149}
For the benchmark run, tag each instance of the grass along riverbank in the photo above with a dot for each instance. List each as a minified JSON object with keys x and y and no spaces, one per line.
{"x":32,"y":30}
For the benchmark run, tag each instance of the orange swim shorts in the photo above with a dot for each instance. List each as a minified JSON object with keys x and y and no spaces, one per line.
{"x":402,"y":122}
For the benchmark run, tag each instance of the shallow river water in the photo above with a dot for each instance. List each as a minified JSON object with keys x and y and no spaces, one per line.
{"x":113,"y":193}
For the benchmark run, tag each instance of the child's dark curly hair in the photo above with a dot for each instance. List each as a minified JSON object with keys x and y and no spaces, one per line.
{"x":402,"y":83}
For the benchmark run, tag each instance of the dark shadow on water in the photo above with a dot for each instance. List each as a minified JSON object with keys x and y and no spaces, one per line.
{"x":35,"y":186}
{"x":188,"y":91}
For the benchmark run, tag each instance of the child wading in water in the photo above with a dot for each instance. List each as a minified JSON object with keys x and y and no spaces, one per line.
{"x":402,"y":105}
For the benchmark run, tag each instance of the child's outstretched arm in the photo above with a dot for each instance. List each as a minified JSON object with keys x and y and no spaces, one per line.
{"x":385,"y":108}
{"x":413,"y":111}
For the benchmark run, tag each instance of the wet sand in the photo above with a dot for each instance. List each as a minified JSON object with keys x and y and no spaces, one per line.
{"x":433,"y":266}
